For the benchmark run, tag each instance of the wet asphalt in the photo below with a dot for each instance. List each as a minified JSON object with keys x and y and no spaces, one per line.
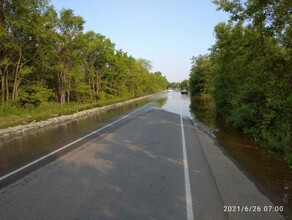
{"x":133,"y":170}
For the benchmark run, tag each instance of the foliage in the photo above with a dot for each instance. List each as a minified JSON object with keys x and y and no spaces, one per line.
{"x":33,"y":96}
{"x":184,"y":83}
{"x":204,"y":110}
{"x":201,"y":75}
{"x":176,"y":85}
{"x":12,"y":115}
{"x":46,"y":56}
{"x":249,"y":70}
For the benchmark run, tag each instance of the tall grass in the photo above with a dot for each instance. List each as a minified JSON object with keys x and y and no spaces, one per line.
{"x":11,"y":115}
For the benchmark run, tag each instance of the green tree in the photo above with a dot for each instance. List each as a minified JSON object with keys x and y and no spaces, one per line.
{"x":252,"y":66}
{"x":69,"y":27}
{"x":184,"y":83}
{"x":98,"y":58}
{"x":20,"y":30}
{"x":45,"y":56}
{"x":201,"y":75}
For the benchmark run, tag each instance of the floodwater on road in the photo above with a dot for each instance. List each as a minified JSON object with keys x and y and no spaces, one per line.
{"x":177,"y":103}
{"x":272,"y":177}
{"x":19,"y":151}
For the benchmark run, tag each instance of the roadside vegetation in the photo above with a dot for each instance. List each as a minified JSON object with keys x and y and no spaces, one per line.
{"x":12,"y":115}
{"x":184,"y":83}
{"x":248,"y":72}
{"x":48,"y":65}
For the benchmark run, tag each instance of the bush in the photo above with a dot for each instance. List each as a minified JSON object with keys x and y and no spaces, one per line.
{"x":33,"y":96}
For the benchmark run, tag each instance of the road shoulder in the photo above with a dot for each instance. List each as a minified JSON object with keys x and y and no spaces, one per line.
{"x":237,"y":191}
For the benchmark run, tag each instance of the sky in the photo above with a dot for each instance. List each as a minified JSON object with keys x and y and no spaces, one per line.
{"x":166,"y":32}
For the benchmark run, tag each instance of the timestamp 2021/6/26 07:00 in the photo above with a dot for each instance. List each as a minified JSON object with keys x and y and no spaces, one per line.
{"x":251,"y":208}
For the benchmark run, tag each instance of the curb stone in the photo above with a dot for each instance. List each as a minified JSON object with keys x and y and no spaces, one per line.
{"x":10,"y":132}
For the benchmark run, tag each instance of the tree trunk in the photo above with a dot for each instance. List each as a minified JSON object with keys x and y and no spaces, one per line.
{"x":61,"y":88}
{"x":68,"y":92}
{"x":2,"y":89}
{"x":16,"y":77}
{"x":96,"y":87}
{"x":7,"y":90}
{"x":14,"y":85}
{"x":63,"y":100}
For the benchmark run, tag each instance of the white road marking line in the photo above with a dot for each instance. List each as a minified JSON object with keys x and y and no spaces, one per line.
{"x":68,"y":145}
{"x":189,"y":202}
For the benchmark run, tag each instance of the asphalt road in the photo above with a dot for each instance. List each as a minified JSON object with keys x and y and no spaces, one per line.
{"x":153,"y":164}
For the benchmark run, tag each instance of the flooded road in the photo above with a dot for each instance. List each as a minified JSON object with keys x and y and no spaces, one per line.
{"x":21,"y":150}
{"x":138,"y":170}
{"x":265,"y":169}
{"x":271,"y":176}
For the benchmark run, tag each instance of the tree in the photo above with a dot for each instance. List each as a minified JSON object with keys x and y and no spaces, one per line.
{"x":45,"y":56}
{"x":184,"y":83}
{"x":251,"y":65}
{"x":20,"y":42}
{"x":69,"y":27}
{"x":98,"y":54}
{"x":201,"y":75}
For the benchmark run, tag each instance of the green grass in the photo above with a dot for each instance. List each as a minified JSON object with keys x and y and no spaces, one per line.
{"x":11,"y":115}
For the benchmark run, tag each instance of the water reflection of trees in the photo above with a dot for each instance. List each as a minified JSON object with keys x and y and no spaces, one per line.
{"x":203,"y":109}
{"x":161,"y":102}
{"x":259,"y":164}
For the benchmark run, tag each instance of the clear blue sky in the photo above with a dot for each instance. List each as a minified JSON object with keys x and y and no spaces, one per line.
{"x":166,"y":32}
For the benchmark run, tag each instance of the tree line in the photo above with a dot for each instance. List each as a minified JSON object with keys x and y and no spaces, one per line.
{"x":46,"y":57}
{"x":248,"y":71}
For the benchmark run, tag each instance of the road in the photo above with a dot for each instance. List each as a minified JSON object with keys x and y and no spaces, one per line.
{"x":150,"y":164}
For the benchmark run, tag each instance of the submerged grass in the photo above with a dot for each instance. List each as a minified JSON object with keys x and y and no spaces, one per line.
{"x":204,"y":110}
{"x":11,"y":115}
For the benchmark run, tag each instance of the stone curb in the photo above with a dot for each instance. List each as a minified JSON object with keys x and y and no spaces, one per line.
{"x":10,"y":132}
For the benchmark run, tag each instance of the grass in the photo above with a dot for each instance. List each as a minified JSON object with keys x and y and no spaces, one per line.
{"x":11,"y":115}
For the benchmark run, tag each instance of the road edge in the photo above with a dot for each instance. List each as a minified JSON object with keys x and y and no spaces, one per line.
{"x":235,"y":188}
{"x":11,"y":132}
